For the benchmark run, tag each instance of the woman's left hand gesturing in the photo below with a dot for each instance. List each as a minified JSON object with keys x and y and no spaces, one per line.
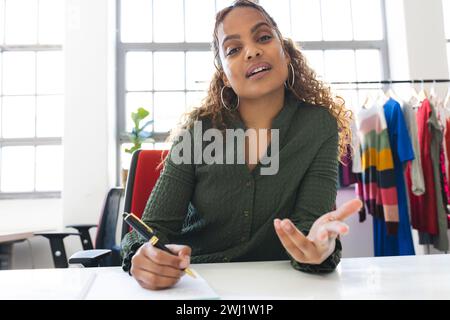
{"x":320,"y":242}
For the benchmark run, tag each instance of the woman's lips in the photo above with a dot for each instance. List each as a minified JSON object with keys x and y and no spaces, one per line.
{"x":259,"y":75}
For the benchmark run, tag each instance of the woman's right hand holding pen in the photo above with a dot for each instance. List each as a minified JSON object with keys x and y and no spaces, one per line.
{"x":156,"y":269}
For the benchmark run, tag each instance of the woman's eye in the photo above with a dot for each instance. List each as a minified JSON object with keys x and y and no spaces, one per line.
{"x":265,"y":38}
{"x":232,"y":51}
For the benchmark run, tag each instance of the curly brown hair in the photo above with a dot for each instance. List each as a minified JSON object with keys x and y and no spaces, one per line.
{"x":306,"y":87}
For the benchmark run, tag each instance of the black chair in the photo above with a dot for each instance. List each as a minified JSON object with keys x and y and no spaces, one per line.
{"x":107,"y":250}
{"x":105,"y":239}
{"x":57,"y":246}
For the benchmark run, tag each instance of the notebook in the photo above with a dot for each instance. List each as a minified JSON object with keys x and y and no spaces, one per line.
{"x":115,"y":284}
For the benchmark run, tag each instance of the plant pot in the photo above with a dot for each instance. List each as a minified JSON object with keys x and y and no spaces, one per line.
{"x":124,"y":177}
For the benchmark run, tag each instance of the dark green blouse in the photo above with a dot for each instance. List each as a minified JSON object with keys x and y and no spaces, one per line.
{"x":225,"y":212}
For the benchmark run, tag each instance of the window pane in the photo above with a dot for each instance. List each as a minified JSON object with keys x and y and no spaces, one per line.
{"x":18,"y":73}
{"x":199,"y":69}
{"x":49,"y":169}
{"x":169,"y":70}
{"x":364,"y":94}
{"x":220,"y":4}
{"x":350,"y":97}
{"x":194,"y":99}
{"x":168,"y":29}
{"x":337,"y":20}
{"x":135,"y":101}
{"x":368,"y":65}
{"x":17,"y":169}
{"x":306,"y":20}
{"x":162,"y":146}
{"x":279,"y":10}
{"x":21,"y":21}
{"x":139,"y":71}
{"x":199,"y":27}
{"x":51,"y":21}
{"x":50,"y":72}
{"x":125,"y":157}
{"x":148,"y":146}
{"x":49,"y":116}
{"x":368,"y":68}
{"x":340,"y":65}
{"x":18,"y":117}
{"x":136,"y":21}
{"x":315,"y":60}
{"x":367,"y":20}
{"x":169,"y":106}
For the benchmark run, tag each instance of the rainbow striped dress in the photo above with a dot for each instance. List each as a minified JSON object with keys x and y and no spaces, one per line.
{"x":378,"y":175}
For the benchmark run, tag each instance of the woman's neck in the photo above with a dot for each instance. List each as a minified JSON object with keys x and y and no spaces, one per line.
{"x":259,"y":113}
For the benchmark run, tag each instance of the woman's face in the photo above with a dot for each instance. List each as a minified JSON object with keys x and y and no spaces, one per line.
{"x":251,"y":53}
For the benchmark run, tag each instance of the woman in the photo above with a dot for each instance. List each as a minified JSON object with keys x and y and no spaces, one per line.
{"x":232,"y":212}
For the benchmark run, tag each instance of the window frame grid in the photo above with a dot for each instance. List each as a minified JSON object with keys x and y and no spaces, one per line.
{"x":122,"y":48}
{"x":32,"y":141}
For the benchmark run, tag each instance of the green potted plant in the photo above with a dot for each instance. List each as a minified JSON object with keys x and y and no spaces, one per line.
{"x":138,"y":135}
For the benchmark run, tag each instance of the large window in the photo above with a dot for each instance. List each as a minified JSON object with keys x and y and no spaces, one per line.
{"x":165,"y":62}
{"x":31,"y":98}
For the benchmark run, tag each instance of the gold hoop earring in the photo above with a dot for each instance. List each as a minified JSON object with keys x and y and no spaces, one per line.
{"x":223,"y":101}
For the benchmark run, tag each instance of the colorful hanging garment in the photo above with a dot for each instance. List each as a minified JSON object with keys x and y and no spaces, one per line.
{"x":378,"y":177}
{"x":402,"y":152}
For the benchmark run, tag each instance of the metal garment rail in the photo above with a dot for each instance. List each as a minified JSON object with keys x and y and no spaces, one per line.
{"x":390,"y":82}
{"x":393,"y":81}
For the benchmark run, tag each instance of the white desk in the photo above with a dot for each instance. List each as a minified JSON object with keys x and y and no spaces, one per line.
{"x":14,"y":236}
{"x":7,"y":239}
{"x":414,"y":277}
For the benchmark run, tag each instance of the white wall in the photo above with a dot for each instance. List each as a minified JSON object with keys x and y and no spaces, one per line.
{"x":359,"y":241}
{"x":417,"y":46}
{"x":89,"y":158}
{"x":89,"y":135}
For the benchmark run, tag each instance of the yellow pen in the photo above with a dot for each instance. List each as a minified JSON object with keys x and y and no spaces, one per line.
{"x":147,"y":232}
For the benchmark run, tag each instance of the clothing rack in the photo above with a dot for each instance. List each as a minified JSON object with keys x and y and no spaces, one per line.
{"x":390,"y":82}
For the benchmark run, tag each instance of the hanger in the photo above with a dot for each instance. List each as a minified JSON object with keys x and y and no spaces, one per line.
{"x":414,"y":101}
{"x":447,"y":98}
{"x":364,"y":106}
{"x":433,"y":95}
{"x":391,"y":93}
{"x":414,"y":92}
{"x":382,"y":96}
{"x":423,"y":93}
{"x":369,"y":100}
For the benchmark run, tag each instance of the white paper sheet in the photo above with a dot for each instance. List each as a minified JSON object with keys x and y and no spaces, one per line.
{"x":118,"y":285}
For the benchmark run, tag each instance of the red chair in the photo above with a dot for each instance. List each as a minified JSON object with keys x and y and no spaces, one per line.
{"x":145,"y":168}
